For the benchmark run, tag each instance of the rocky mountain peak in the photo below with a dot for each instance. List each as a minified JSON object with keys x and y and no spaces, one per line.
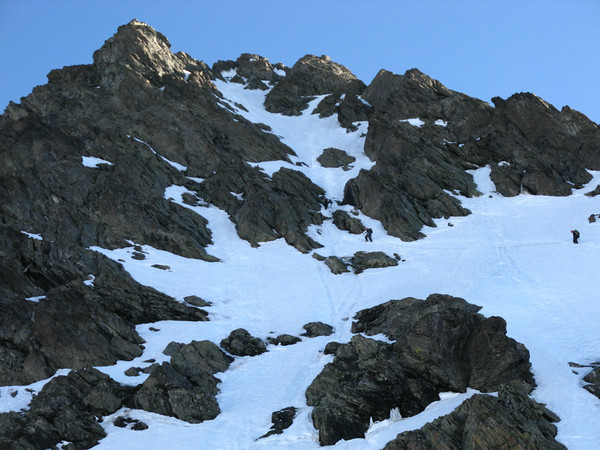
{"x":311,"y":76}
{"x":413,"y":94}
{"x":138,"y":48}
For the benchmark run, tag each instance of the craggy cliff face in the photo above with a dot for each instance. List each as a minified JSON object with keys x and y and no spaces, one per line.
{"x":157,"y":119}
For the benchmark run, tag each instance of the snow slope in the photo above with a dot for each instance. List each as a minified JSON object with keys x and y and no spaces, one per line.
{"x":512,"y":256}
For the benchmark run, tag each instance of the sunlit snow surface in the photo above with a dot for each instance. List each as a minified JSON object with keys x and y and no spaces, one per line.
{"x":512,"y":256}
{"x":93,"y":162}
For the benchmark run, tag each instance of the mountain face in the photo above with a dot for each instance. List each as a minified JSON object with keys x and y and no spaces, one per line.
{"x":85,"y":162}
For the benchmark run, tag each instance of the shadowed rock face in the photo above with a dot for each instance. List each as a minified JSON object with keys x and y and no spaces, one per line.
{"x":186,"y":387}
{"x":65,"y":410}
{"x":309,"y":77}
{"x":529,"y":145}
{"x":441,"y":344}
{"x":73,"y":325}
{"x":241,"y":343}
{"x":511,"y":420}
{"x":142,"y":109}
{"x":68,"y":408}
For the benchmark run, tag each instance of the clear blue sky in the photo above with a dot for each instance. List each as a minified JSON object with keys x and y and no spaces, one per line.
{"x":484,"y":48}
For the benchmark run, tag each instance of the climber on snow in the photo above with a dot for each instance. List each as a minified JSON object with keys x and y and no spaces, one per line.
{"x":368,"y":234}
{"x":575,"y":234}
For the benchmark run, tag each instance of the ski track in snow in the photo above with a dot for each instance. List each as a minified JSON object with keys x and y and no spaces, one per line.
{"x":512,"y":256}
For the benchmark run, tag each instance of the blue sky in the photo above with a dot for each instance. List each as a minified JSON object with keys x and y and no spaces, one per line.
{"x":482,"y":48}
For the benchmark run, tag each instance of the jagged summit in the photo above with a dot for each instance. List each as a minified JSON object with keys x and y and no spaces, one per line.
{"x":311,"y":76}
{"x":140,"y":49}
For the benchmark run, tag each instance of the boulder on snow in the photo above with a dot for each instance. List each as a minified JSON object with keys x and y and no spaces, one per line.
{"x":344,"y":221}
{"x":315,"y":329}
{"x":284,"y":340}
{"x":334,"y":157}
{"x":281,"y":420}
{"x":336,"y":265}
{"x":441,"y":344}
{"x":196,"y":301}
{"x":241,"y":343}
{"x":186,"y":387}
{"x":371,"y":260}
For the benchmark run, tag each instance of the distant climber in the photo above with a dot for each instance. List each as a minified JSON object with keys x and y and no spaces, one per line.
{"x":368,"y":235}
{"x":327,"y":202}
{"x":575,"y":234}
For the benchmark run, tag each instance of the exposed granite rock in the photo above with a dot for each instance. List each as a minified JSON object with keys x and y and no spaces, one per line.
{"x":241,"y":343}
{"x":255,"y":69}
{"x":284,"y":340}
{"x":125,"y":422}
{"x":315,"y":329}
{"x":311,"y":76}
{"x":334,"y":157}
{"x":348,"y":107}
{"x":281,"y":420}
{"x":66,"y":409}
{"x":371,"y":260}
{"x":344,"y":221}
{"x":186,"y":387}
{"x":440,"y":344}
{"x":283,"y":207}
{"x":318,"y":257}
{"x":593,"y":378}
{"x":75,"y":325}
{"x":196,"y":301}
{"x":529,"y":145}
{"x":336,"y":265}
{"x":445,"y":339}
{"x":511,"y":420}
{"x":157,"y":118}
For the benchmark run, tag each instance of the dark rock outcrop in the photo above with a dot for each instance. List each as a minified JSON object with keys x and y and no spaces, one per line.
{"x":284,"y":340}
{"x":371,"y":260}
{"x":593,"y":380}
{"x":595,"y":192}
{"x":281,"y":420}
{"x":74,"y":325}
{"x":334,"y":157}
{"x":446,"y":340}
{"x":336,"y":265}
{"x":241,"y":343}
{"x":529,"y":145}
{"x":196,"y":301}
{"x":441,"y":344}
{"x":511,"y":420}
{"x":282,"y":207}
{"x":68,"y":408}
{"x":344,"y":221}
{"x":311,"y":76}
{"x":157,"y":119}
{"x":315,"y":329}
{"x":186,"y":387}
{"x":254,"y":70}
